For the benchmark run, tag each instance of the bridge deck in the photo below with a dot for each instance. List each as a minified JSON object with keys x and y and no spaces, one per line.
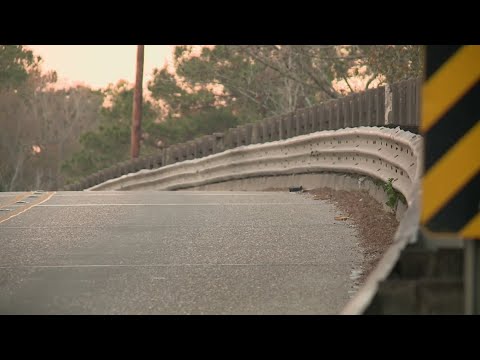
{"x":151,"y":252}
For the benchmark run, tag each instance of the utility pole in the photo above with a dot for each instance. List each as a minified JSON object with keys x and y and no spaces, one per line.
{"x":137,"y":105}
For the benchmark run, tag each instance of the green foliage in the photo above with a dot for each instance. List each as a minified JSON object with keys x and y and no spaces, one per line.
{"x":257,"y":81}
{"x":249,"y":87}
{"x":393,"y":195}
{"x":173,"y":130}
{"x":100,"y":149}
{"x":110,"y":143}
{"x":164,"y":86}
{"x":15,"y":62}
{"x":394,"y":62}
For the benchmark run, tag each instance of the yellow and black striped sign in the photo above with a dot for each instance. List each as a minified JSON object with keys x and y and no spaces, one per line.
{"x":451,"y":129}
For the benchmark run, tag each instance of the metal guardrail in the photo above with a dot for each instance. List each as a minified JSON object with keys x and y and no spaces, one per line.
{"x":380,"y":153}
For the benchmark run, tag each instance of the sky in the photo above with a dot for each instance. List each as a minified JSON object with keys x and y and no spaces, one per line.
{"x":99,"y":65}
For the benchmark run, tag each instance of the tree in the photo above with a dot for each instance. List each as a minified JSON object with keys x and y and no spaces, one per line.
{"x":265,"y":80}
{"x":393,"y":62}
{"x":39,"y":124}
{"x":257,"y":81}
{"x":179,"y":100}
{"x":177,"y":130}
{"x":15,"y":63}
{"x":109,"y":143}
{"x":190,"y":111}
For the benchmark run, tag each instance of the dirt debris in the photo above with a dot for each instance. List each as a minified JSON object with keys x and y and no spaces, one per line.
{"x":376,"y":227}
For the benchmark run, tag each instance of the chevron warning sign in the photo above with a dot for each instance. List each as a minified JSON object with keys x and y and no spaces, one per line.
{"x":451,"y":128}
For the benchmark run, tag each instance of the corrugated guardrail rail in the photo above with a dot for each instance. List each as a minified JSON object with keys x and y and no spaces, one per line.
{"x":380,"y":153}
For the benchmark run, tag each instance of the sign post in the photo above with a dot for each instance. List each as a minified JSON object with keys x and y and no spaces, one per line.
{"x":451,"y":128}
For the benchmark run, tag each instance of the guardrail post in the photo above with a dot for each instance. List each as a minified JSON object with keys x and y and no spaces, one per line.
{"x":198,"y":148}
{"x":410,"y":102}
{"x":248,"y":133}
{"x":369,"y":100}
{"x":241,"y":136}
{"x":320,"y":117}
{"x":336,"y":114}
{"x":191,"y":153}
{"x":234,"y":136}
{"x":208,"y":141}
{"x":362,"y":108}
{"x":388,"y":105}
{"x":170,"y":154}
{"x":273,"y":128}
{"x":281,"y":127}
{"x":330,"y":115}
{"x":356,"y":110}
{"x":380,"y":106}
{"x":296,"y":123}
{"x":255,"y":133}
{"x":157,"y":160}
{"x":402,"y":118}
{"x":289,"y":125}
{"x":418,"y":96}
{"x":263,"y":132}
{"x":228,"y":140}
{"x":349,"y":111}
{"x":312,"y":116}
{"x":218,"y":145}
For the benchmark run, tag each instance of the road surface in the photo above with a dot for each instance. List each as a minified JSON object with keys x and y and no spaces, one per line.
{"x":152,"y":252}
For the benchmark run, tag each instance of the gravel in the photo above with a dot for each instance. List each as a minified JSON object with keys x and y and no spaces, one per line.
{"x":376,"y":227}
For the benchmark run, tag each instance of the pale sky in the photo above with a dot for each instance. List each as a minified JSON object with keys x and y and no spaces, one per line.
{"x":99,"y":65}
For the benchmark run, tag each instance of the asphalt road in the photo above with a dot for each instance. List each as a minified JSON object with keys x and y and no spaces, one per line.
{"x":152,"y":252}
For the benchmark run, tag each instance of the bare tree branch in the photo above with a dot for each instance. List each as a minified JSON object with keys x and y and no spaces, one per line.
{"x":346,"y":80}
{"x":370,"y":81}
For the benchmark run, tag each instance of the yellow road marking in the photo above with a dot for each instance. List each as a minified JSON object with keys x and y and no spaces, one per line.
{"x":17,"y":198}
{"x":19,"y":211}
